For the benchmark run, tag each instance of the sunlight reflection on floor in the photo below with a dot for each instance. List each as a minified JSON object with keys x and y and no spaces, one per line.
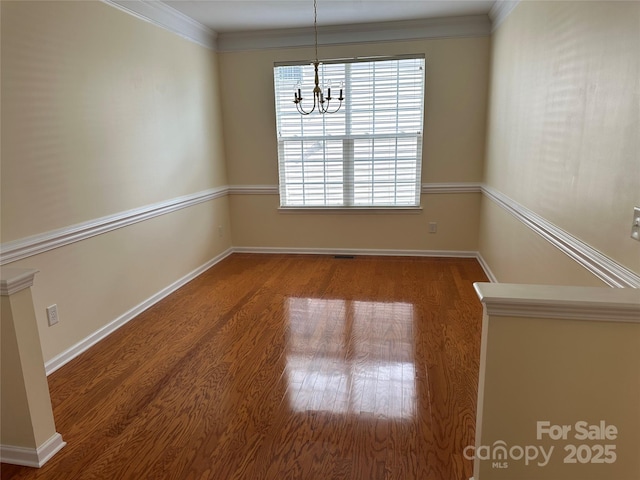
{"x":351,"y":357}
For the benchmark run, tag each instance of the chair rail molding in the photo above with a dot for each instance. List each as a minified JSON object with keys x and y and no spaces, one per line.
{"x":435,"y":187}
{"x":452,"y":187}
{"x":33,"y":245}
{"x":253,"y":190}
{"x":603,"y":267}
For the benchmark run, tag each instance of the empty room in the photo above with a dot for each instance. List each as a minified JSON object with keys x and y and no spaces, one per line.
{"x":320,"y":239}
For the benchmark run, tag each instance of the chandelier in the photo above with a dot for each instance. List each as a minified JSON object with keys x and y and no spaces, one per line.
{"x":322,"y":103}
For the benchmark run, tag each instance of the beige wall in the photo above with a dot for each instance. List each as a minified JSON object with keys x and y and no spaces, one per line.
{"x":516,"y":253}
{"x":455,"y":111}
{"x":257,"y":223}
{"x":103,"y":113}
{"x":590,"y":371}
{"x":563,"y":133}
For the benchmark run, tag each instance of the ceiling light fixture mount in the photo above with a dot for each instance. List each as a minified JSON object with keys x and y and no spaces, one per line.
{"x":320,"y":102}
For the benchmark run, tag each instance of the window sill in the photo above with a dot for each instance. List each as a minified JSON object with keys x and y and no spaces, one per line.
{"x":351,"y":210}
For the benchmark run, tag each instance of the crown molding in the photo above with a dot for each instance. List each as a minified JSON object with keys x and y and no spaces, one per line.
{"x":462,"y":26}
{"x":500,"y":11}
{"x":162,"y":15}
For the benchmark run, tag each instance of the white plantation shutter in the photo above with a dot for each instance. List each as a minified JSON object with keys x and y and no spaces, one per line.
{"x":369,"y":154}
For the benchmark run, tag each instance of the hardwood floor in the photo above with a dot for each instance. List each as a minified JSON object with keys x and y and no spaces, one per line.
{"x":281,"y":367}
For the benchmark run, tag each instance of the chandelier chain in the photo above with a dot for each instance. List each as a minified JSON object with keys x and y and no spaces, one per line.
{"x":320,"y":102}
{"x":315,"y":25}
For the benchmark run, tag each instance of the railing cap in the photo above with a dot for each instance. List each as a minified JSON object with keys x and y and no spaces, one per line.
{"x":12,"y":280}
{"x":562,"y":302}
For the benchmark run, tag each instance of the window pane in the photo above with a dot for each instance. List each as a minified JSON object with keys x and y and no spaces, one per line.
{"x":311,"y":172}
{"x":369,"y":153}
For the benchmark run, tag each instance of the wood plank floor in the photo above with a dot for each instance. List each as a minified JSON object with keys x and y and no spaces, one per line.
{"x":281,"y":367}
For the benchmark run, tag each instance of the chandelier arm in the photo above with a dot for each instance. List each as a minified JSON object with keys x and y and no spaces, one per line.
{"x":326,"y":110}
{"x":302,"y":111}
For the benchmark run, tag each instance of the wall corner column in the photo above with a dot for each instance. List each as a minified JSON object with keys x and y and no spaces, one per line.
{"x":27,"y":429}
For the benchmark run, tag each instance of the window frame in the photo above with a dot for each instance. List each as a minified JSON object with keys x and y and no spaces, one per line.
{"x":348,"y":136}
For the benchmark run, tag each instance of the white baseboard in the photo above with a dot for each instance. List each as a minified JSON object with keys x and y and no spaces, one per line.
{"x":32,"y":457}
{"x":68,"y":355}
{"x":71,"y":353}
{"x":485,"y":266}
{"x":384,"y":252}
{"x":359,"y":251}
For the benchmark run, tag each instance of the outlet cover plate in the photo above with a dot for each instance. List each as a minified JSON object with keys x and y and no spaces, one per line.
{"x":52,"y":315}
{"x":635,"y":225}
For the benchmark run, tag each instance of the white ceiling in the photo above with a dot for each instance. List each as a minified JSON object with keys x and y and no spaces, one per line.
{"x":247,"y":15}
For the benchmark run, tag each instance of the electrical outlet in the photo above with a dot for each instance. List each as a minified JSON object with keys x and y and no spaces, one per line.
{"x":635,"y":224}
{"x":433,"y":227}
{"x":52,"y":315}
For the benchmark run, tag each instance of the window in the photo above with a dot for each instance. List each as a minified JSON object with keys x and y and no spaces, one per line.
{"x":369,"y":154}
